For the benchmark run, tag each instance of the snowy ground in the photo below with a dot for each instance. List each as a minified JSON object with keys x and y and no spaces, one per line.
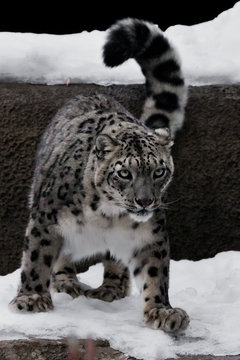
{"x":210,"y":54}
{"x":208,"y":290}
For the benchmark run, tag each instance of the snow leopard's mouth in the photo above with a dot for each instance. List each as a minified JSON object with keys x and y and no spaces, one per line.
{"x":140,"y":215}
{"x":139,"y":212}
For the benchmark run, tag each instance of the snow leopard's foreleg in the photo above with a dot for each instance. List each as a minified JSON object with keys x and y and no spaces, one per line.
{"x":41,"y":249}
{"x":150,"y":266}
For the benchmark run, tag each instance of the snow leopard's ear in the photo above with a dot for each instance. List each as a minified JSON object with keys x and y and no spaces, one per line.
{"x":164,"y":137}
{"x":104,"y":145}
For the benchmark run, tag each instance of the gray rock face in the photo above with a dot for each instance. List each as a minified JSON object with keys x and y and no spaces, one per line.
{"x":204,"y":201}
{"x":42,"y":349}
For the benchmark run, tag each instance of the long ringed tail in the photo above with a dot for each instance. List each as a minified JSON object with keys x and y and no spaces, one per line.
{"x":166,"y":92}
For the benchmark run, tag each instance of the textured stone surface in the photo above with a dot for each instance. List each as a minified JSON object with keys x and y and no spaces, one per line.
{"x":205,"y":219}
{"x":42,"y":349}
{"x":204,"y":209}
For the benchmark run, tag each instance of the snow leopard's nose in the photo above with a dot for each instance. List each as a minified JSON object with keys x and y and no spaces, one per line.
{"x":144,"y":202}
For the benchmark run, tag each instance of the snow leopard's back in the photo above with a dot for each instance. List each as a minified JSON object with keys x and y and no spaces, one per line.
{"x":71,"y":134}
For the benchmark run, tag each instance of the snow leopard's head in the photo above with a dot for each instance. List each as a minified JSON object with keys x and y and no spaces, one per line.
{"x":133,"y":169}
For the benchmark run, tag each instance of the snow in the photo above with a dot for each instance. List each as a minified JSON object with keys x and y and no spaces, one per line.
{"x":210,"y":54}
{"x":210,"y":51}
{"x":207,"y":289}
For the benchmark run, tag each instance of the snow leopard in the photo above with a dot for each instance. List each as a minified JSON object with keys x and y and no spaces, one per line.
{"x":100,"y":185}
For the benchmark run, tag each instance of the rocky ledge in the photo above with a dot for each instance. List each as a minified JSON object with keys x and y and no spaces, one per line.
{"x":42,"y":349}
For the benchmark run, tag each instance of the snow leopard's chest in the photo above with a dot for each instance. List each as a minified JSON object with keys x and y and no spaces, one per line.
{"x":99,"y":234}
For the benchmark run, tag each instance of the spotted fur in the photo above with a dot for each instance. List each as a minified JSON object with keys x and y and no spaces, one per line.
{"x":99,"y":187}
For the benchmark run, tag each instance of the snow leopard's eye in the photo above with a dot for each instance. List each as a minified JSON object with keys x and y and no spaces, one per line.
{"x":158,"y":173}
{"x":124,"y":174}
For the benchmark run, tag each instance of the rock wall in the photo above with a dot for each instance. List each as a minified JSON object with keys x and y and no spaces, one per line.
{"x":204,"y":201}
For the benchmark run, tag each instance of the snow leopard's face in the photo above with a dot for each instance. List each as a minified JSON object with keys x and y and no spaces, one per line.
{"x":133,"y":171}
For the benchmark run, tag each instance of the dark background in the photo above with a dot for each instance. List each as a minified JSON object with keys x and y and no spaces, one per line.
{"x":73,"y":17}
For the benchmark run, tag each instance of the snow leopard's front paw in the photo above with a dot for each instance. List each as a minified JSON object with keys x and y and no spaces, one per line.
{"x":168,"y":320}
{"x":33,"y":302}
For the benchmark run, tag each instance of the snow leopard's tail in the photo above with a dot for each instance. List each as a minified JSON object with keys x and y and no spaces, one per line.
{"x":159,"y":61}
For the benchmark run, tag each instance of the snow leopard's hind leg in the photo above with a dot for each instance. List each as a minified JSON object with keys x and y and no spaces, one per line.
{"x":64,"y":278}
{"x":116,"y":282}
